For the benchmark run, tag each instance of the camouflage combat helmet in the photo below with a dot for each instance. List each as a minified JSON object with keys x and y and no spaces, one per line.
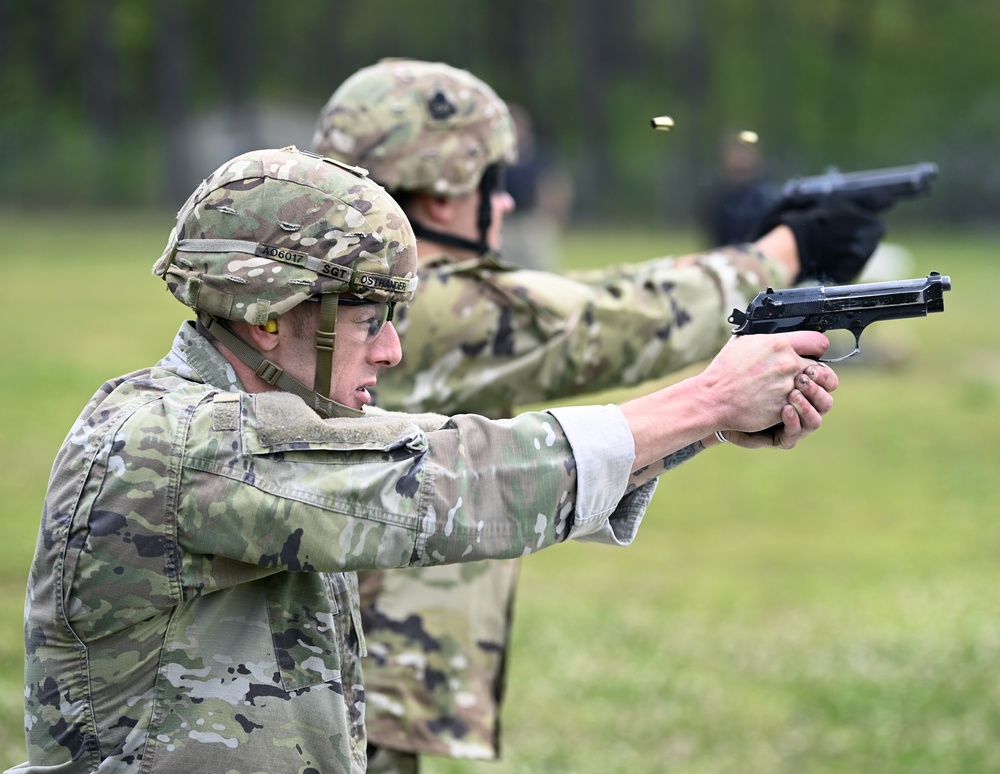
{"x":273,"y":228}
{"x":421,"y":126}
{"x":417,"y":126}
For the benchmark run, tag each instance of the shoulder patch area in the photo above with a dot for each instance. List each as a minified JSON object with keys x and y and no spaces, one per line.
{"x":226,"y":411}
{"x":285,"y":421}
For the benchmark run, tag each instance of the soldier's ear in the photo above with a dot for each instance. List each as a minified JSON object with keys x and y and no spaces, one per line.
{"x":262,"y":337}
{"x":435,"y":211}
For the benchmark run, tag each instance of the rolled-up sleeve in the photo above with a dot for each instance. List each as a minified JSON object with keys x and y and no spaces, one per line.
{"x":604,"y":451}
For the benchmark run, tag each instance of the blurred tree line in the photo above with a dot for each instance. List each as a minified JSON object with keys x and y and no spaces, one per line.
{"x":118,"y":101}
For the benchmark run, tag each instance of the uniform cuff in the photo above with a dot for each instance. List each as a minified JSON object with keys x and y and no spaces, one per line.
{"x":604,"y":451}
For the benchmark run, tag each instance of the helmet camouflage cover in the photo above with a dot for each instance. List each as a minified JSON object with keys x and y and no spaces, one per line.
{"x":417,"y":126}
{"x":271,"y":228}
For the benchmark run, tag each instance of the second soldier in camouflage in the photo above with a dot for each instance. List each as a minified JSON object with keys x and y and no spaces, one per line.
{"x":484,"y":337}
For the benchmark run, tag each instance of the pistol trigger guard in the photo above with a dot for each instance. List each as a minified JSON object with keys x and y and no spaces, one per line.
{"x":856,"y":351}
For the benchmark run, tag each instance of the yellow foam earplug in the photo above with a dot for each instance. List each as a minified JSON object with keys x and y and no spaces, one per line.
{"x":271,"y":326}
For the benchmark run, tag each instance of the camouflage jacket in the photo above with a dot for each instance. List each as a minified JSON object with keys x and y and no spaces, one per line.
{"x":191,"y":605}
{"x":484,"y":337}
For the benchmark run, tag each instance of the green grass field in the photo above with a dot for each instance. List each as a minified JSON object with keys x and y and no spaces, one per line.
{"x":831,"y":609}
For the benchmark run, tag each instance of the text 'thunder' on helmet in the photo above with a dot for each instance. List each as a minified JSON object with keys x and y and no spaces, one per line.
{"x":273,"y":228}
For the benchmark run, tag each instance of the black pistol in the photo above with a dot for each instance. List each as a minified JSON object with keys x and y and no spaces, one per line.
{"x":841,"y":307}
{"x":876,"y":189}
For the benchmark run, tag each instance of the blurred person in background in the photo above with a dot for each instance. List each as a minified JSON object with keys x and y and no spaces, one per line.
{"x":485,"y":336}
{"x":740,"y":194}
{"x":192,"y":604}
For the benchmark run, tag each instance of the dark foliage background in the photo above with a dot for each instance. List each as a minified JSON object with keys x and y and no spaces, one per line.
{"x":125,"y":102}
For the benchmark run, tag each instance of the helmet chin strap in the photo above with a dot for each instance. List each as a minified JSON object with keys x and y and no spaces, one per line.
{"x":326,"y":343}
{"x":276,"y":376}
{"x":488,"y":183}
{"x":451,"y":240}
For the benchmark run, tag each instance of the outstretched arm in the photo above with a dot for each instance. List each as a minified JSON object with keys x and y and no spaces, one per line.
{"x":483,"y":338}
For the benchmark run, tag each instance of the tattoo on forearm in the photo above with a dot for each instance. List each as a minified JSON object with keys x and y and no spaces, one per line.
{"x":670,"y":462}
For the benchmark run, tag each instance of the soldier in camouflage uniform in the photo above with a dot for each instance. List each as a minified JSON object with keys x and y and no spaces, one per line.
{"x":192,"y":603}
{"x":484,"y":337}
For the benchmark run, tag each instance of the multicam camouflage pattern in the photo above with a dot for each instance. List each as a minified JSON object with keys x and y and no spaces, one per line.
{"x":486,"y":338}
{"x":417,"y":126}
{"x":190,"y":605}
{"x":437,"y":645}
{"x":270,"y":228}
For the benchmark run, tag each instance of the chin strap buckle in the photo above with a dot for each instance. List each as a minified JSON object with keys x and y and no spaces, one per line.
{"x":269,"y":372}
